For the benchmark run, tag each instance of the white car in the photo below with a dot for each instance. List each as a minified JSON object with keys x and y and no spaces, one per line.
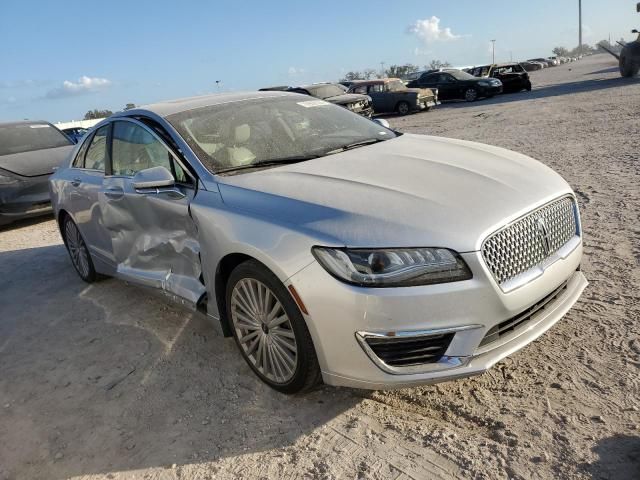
{"x":328,"y":245}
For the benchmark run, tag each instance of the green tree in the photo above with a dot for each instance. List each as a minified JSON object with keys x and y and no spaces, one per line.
{"x":400,"y":71}
{"x":436,"y":64}
{"x":95,"y":114}
{"x":129,"y":106}
{"x":351,"y":76}
{"x":560,"y":52}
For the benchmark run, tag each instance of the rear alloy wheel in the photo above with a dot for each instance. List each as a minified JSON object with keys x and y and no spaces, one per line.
{"x":471,"y":95}
{"x":78,"y":251}
{"x":269,"y":329}
{"x":403,"y":108}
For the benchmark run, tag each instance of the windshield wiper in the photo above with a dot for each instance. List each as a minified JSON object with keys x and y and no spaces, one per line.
{"x":360,"y":143}
{"x":271,"y":162}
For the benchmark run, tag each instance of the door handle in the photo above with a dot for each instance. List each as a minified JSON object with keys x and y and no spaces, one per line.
{"x":76,"y":181}
{"x":114,"y":192}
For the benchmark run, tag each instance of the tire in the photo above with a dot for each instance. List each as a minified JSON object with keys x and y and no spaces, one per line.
{"x":403,"y":108}
{"x":628,"y":68}
{"x":78,"y":251}
{"x":527,"y":87}
{"x":471,"y":94}
{"x":281,"y":355}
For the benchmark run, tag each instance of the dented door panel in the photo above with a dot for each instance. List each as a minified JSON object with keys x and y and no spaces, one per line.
{"x":153,"y":237}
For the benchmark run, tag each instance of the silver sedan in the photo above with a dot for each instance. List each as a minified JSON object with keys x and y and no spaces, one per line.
{"x":328,"y":245}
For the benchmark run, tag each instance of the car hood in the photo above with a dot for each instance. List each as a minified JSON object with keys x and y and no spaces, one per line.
{"x":347,"y":98}
{"x":413,"y":190}
{"x":35,"y":163}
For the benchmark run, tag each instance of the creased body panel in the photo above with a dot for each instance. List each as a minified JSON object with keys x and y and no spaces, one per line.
{"x":154,"y":240}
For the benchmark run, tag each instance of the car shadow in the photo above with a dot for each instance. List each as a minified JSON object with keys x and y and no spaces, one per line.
{"x":105,"y":378}
{"x":618,"y":458}
{"x":26,"y":222}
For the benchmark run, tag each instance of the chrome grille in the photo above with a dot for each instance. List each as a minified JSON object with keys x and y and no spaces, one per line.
{"x":528,"y":241}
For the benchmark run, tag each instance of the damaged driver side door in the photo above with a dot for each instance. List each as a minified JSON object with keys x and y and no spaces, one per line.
{"x":145,"y":199}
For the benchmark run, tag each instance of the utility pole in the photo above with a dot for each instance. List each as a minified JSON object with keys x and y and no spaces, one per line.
{"x":218,"y":82}
{"x":382,"y":69}
{"x":493,"y":51}
{"x":580,"y":26}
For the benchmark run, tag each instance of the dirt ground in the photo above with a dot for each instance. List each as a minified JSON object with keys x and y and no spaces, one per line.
{"x":107,"y":382}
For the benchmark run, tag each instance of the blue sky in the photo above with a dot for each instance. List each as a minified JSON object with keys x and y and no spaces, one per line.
{"x":60,"y":59}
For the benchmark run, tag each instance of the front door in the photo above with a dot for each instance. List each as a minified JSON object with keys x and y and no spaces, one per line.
{"x":153,"y":237}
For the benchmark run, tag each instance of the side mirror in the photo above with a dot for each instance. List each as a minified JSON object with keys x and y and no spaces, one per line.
{"x":383,"y":122}
{"x":154,"y":177}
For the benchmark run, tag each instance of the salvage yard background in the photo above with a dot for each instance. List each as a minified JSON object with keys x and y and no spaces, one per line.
{"x":106,"y":381}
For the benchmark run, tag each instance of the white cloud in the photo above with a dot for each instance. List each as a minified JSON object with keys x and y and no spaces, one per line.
{"x":429,"y":31}
{"x":83,"y":85}
{"x":295,"y":71}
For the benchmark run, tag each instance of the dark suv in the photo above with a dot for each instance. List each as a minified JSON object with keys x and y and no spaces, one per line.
{"x":458,"y":85}
{"x":513,"y":76}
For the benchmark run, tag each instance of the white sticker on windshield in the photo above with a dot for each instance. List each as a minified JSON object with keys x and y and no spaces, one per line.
{"x":38,"y":126}
{"x":313,"y":103}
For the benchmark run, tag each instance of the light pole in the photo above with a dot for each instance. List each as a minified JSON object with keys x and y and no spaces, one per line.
{"x":580,"y":26}
{"x":493,"y":51}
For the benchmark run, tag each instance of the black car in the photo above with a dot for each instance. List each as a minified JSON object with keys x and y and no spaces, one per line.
{"x":335,"y":93}
{"x":458,"y":85}
{"x":514,"y":76}
{"x":29,"y":151}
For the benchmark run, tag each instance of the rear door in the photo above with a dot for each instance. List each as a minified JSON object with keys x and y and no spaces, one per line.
{"x":85,"y":182}
{"x":153,"y":237}
{"x":382,"y":102}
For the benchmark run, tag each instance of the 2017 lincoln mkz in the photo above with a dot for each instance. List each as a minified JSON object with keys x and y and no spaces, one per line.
{"x":329,"y":246}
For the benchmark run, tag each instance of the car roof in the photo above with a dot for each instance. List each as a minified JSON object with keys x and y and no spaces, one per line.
{"x":169,"y":107}
{"x":376,"y":81}
{"x":24,"y":122}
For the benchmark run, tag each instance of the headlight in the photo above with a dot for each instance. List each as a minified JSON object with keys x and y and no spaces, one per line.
{"x":4,"y":180}
{"x":396,"y":267}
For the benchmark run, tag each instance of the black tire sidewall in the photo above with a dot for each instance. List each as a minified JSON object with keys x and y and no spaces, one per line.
{"x":91,"y":277}
{"x":307,"y":370}
{"x":471,"y":89}
{"x":403,"y":103}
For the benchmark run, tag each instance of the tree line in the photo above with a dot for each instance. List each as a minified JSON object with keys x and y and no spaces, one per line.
{"x":96,"y":114}
{"x":394,"y":71}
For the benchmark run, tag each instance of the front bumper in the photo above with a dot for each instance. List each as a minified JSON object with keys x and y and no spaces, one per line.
{"x":28,"y":197}
{"x":467,"y":309}
{"x":490,"y":91}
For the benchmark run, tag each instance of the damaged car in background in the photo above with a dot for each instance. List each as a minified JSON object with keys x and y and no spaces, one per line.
{"x":391,"y":95}
{"x":333,"y":93}
{"x":328,"y":246}
{"x":29,"y":153}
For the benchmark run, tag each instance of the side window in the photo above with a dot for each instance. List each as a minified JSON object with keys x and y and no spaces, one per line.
{"x":135,"y":149}
{"x":362,"y":89}
{"x":78,"y":162}
{"x":97,"y":151}
{"x":377,"y":88}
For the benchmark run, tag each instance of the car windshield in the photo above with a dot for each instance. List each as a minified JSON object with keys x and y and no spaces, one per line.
{"x":460,"y":75}
{"x":26,"y":137}
{"x":396,"y":85}
{"x":268,"y":130}
{"x":324,"y":91}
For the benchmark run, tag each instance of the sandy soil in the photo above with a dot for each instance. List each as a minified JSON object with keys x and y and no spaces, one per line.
{"x":105,"y":381}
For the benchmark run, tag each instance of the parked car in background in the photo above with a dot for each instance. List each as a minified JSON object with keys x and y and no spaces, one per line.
{"x":391,"y":95}
{"x":458,"y":85}
{"x":328,"y":246}
{"x":544,"y":61}
{"x":29,"y":152}
{"x":555,"y":61}
{"x":513,"y":76}
{"x":75,"y":133}
{"x":416,"y":75}
{"x":532,"y":66}
{"x":337,"y":94}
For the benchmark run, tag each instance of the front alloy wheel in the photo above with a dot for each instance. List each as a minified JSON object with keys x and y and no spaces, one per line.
{"x":270,"y":330}
{"x":403,"y":108}
{"x":471,"y":95}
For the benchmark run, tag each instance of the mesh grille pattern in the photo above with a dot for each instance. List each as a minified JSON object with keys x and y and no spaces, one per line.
{"x":529,"y":240}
